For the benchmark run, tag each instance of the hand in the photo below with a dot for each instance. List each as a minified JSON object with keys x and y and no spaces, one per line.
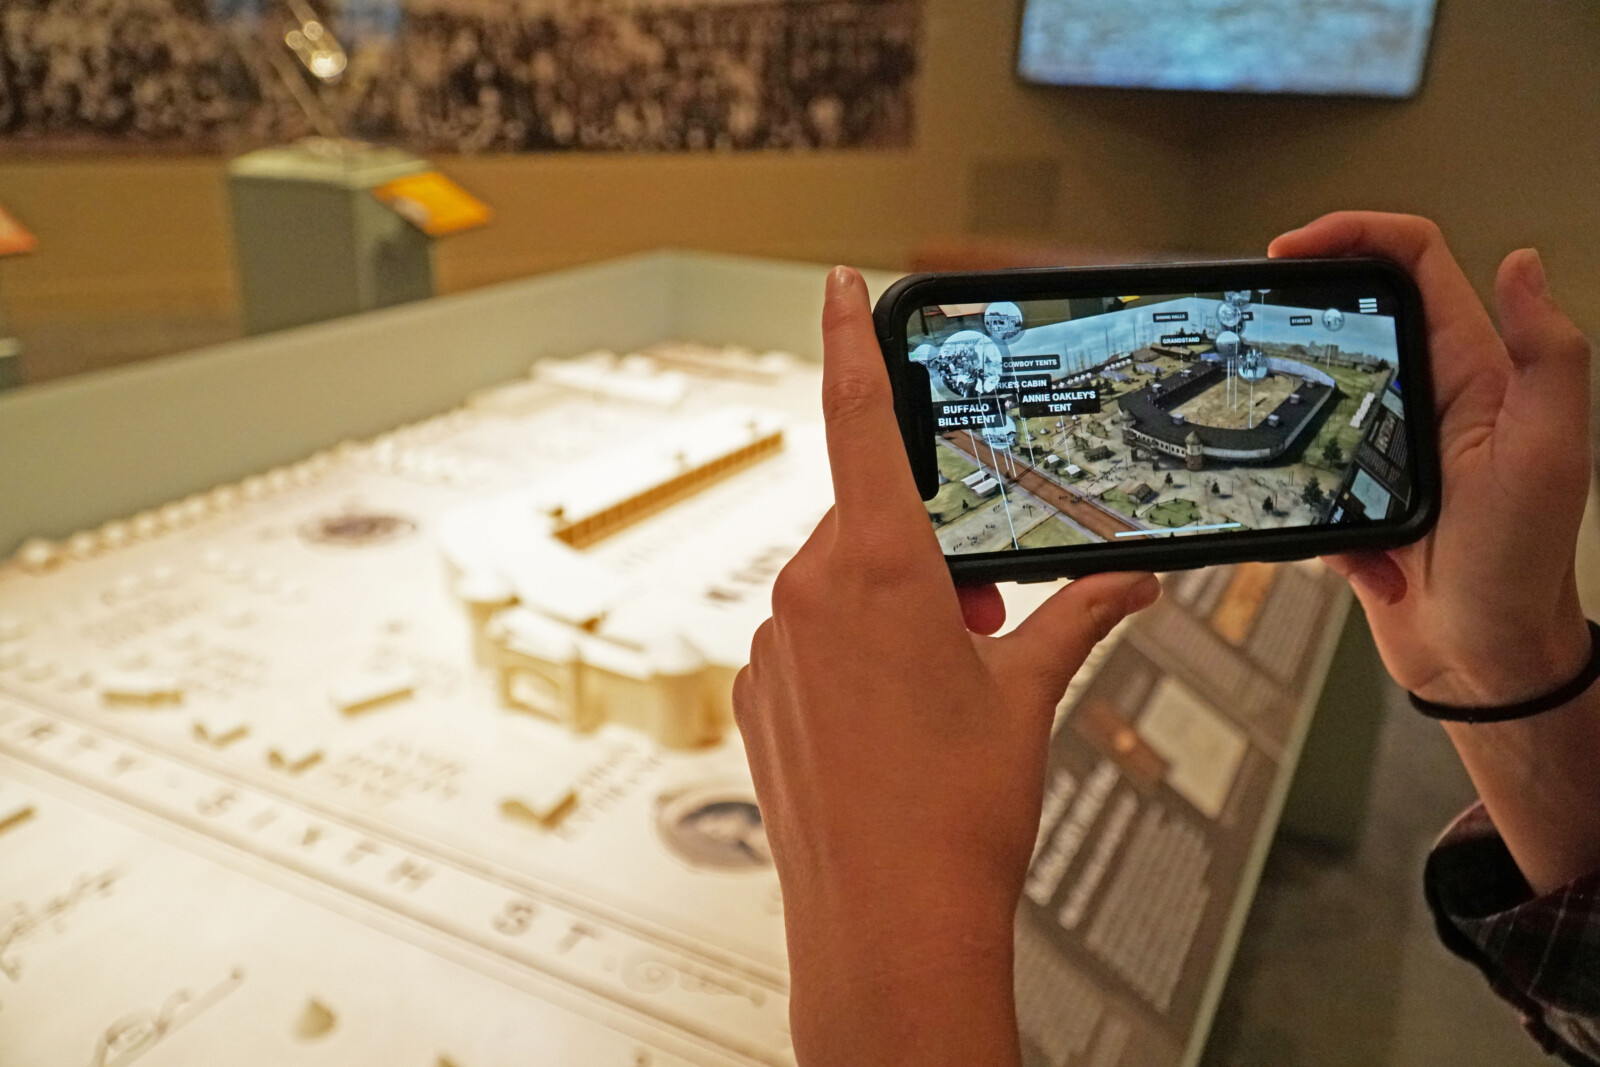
{"x":1484,"y":610}
{"x":898,"y":758}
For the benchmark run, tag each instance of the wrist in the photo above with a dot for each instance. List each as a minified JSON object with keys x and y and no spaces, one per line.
{"x":1518,"y":663}
{"x":895,"y":940}
{"x":910,"y":993}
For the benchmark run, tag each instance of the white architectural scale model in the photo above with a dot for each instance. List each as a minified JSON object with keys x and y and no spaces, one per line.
{"x":417,"y":751}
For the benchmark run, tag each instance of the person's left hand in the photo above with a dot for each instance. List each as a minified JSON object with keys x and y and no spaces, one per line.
{"x":898,"y":758}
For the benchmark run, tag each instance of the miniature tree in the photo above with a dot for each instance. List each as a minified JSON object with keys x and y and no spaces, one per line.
{"x":1332,"y":454}
{"x":1312,"y":494}
{"x":1267,"y":505}
{"x":1169,"y":477}
{"x":1216,"y":488}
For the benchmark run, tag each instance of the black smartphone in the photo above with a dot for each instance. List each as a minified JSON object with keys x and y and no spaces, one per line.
{"x":1062,"y":422}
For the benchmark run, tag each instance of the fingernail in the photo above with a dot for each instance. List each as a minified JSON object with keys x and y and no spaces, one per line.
{"x":839,"y":279}
{"x":1533,"y":275}
{"x":1273,"y":244}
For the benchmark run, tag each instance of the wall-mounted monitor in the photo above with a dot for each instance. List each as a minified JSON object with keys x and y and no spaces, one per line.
{"x":1313,"y":47}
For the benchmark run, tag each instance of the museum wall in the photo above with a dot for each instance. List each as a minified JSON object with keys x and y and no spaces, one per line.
{"x":1502,"y":148}
{"x":129,"y":237}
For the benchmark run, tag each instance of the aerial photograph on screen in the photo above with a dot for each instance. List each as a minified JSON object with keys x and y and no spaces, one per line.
{"x":1321,"y":47}
{"x":1112,"y":419}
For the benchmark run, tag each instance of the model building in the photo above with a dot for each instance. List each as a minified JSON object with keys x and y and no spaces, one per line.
{"x":566,"y":638}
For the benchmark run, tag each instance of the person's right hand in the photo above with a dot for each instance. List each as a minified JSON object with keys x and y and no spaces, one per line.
{"x":1484,"y":610}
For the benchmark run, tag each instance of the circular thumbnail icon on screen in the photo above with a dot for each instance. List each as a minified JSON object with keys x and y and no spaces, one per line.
{"x":1003,"y":320}
{"x":1229,"y":315}
{"x":1333,"y":319}
{"x":969,"y":364}
{"x":1227,"y":344}
{"x":716,"y":825}
{"x":1253,"y":368}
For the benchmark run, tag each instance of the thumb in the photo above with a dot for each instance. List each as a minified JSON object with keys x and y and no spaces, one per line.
{"x":1049,"y":646}
{"x":1549,"y":355}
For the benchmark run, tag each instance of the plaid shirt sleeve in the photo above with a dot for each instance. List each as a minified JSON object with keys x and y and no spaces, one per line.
{"x":1541,"y":954}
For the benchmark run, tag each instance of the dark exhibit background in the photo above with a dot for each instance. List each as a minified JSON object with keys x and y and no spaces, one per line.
{"x":461,"y":75}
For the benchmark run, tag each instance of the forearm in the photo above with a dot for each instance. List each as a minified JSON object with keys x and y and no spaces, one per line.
{"x":1540,"y":782}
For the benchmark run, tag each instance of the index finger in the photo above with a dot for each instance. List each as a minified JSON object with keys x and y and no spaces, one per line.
{"x":1458,"y":324}
{"x":872,"y":479}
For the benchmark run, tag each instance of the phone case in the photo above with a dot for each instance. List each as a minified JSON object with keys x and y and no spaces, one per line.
{"x":913,"y":408}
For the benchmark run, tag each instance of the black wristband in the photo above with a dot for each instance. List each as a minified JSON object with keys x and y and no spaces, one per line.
{"x":1527,"y":708}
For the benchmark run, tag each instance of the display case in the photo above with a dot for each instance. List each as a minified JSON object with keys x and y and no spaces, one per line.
{"x":364,"y":699}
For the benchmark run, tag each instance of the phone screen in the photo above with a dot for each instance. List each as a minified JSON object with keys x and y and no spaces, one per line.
{"x":1093,"y":420}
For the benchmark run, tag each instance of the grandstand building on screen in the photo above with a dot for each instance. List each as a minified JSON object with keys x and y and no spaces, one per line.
{"x":1151,"y":419}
